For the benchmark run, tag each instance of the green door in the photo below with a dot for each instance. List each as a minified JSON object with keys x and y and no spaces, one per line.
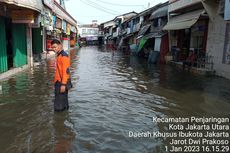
{"x":19,"y":44}
{"x":3,"y":53}
{"x":37,"y":44}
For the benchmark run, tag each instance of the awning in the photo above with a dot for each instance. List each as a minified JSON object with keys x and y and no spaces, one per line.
{"x":154,"y":35}
{"x":141,"y":44}
{"x":183,"y":21}
{"x":160,"y":12}
{"x":148,"y":36}
{"x":144,"y":29}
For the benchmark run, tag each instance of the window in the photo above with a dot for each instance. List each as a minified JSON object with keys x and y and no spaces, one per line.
{"x":198,"y":36}
{"x":226,"y":56}
{"x":83,"y":31}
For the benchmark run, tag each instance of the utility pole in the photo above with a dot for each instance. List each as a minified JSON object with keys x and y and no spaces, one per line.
{"x":148,"y":4}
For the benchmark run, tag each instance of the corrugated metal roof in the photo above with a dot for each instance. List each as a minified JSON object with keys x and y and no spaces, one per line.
{"x":144,"y":29}
{"x":183,"y":21}
{"x":160,"y":12}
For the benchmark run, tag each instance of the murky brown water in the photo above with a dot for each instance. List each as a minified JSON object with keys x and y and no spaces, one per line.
{"x":112,"y":96}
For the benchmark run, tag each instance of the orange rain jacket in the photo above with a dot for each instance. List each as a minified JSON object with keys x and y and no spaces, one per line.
{"x":62,"y":73}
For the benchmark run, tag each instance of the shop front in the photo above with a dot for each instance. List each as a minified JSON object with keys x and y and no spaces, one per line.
{"x":22,"y":36}
{"x":16,"y":20}
{"x":188,"y":33}
{"x":13,"y":50}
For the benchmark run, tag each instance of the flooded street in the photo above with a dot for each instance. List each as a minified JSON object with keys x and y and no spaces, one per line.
{"x":112,"y":95}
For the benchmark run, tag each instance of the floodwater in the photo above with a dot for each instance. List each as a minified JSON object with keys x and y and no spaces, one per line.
{"x":112,"y":95}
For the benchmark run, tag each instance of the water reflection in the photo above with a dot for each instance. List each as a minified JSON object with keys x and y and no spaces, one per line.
{"x":62,"y":134}
{"x":112,"y":95}
{"x":28,"y":123}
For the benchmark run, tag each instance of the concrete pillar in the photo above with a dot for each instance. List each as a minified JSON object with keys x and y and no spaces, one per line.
{"x":29,"y":45}
{"x":44,"y":39}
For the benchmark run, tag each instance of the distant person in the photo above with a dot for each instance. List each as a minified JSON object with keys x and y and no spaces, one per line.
{"x":62,"y":75}
{"x":190,"y":60}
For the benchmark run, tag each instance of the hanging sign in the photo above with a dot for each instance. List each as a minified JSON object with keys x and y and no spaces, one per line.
{"x":22,"y":16}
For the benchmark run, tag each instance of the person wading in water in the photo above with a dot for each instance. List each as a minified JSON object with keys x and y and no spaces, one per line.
{"x":61,"y":77}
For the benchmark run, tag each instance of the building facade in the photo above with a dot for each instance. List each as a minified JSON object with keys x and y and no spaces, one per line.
{"x":188,"y":28}
{"x":178,"y":28}
{"x":27,"y":27}
{"x":88,"y":34}
{"x":16,"y":20}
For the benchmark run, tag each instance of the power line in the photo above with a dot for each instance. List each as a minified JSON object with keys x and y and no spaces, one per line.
{"x":97,"y":7}
{"x":119,"y":4}
{"x":102,"y":6}
{"x":101,"y":9}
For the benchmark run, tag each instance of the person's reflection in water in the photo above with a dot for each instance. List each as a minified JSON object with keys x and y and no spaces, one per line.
{"x":63,"y":136}
{"x":12,"y":85}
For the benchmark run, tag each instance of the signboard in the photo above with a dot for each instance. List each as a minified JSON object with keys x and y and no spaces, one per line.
{"x":227,"y":10}
{"x":58,"y":23}
{"x":47,"y":19}
{"x":64,"y":26}
{"x":68,"y":29}
{"x":22,"y":16}
{"x":49,"y":3}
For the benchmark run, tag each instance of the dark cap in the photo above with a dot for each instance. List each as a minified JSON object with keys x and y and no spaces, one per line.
{"x":55,"y":41}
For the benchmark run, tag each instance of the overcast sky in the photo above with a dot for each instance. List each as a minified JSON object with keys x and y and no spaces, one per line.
{"x":84,"y":11}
